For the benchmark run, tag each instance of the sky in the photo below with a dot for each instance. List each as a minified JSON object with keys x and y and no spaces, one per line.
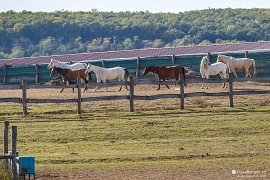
{"x":173,"y":6}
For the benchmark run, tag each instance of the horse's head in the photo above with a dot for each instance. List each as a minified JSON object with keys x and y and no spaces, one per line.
{"x":88,"y":68}
{"x":222,"y":58}
{"x":186,"y":70}
{"x":205,"y":62}
{"x":53,"y":71}
{"x":148,"y":69}
{"x":51,"y":64}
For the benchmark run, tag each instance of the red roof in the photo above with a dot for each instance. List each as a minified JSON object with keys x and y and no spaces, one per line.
{"x":154,"y":52}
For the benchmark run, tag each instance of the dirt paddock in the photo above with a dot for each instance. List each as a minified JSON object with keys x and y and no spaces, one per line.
{"x":148,"y":90}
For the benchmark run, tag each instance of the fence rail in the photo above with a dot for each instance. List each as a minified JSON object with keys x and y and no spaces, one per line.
{"x":131,"y":97}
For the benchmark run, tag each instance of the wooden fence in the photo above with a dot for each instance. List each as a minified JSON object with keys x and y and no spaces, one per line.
{"x":6,"y":155}
{"x":131,"y":97}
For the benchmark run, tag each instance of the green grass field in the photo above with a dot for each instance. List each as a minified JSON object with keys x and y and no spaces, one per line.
{"x":211,"y":139}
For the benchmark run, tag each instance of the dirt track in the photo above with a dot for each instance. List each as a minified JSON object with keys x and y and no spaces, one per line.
{"x":194,"y":102}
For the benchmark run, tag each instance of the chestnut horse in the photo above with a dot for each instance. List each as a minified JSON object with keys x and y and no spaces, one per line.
{"x":166,"y":73}
{"x":71,"y":76}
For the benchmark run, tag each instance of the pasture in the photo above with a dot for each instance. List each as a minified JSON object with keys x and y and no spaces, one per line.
{"x":158,"y":140}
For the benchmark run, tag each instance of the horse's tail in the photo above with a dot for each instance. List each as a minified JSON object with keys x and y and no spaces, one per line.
{"x":126,"y":76}
{"x":253,"y":67}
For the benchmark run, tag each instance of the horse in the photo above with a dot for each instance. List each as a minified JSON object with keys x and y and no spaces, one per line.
{"x":208,"y":69}
{"x":104,"y":74}
{"x":71,"y":76}
{"x":166,"y":73}
{"x":59,"y":64}
{"x":236,"y":64}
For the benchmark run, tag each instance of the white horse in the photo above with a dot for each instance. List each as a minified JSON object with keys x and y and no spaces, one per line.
{"x":104,"y":74}
{"x":208,"y":69}
{"x":236,"y":64}
{"x":59,"y":64}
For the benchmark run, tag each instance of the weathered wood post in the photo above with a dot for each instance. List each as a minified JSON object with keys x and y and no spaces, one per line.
{"x":131,"y":94}
{"x":209,"y":56}
{"x":36,"y":72}
{"x":6,"y":124}
{"x":231,"y":77}
{"x":103,"y":63}
{"x":79,"y":110}
{"x":246,"y":54}
{"x":13,"y":152}
{"x":5,"y":74}
{"x":138,"y":68}
{"x":182,"y":91}
{"x":24,"y":100}
{"x":173,"y":59}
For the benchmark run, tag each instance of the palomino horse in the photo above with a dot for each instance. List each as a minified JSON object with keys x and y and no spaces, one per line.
{"x":104,"y":74}
{"x":59,"y":64}
{"x":236,"y":64}
{"x":208,"y":69}
{"x":71,"y":76}
{"x":166,"y":73}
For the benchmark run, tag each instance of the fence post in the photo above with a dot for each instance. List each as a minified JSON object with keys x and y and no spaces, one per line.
{"x":231,"y":77}
{"x":209,"y":56}
{"x":24,"y":103}
{"x":79,"y":111}
{"x":182,"y":91}
{"x":138,"y":68}
{"x":173,"y":59}
{"x":13,"y":152}
{"x":6,"y":124}
{"x":246,"y":54}
{"x":103,"y":63}
{"x":36,"y":71}
{"x":5,"y":74}
{"x":131,"y":94}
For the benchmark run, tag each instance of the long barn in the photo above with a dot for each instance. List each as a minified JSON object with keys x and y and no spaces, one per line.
{"x":34,"y":69}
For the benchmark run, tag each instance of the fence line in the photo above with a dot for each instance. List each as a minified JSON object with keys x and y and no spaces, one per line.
{"x":131,"y":97}
{"x":6,"y":154}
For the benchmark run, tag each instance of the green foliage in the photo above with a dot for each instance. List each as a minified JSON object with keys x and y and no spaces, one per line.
{"x":63,"y":32}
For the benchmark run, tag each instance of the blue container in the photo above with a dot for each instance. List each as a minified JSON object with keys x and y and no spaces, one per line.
{"x":27,"y":165}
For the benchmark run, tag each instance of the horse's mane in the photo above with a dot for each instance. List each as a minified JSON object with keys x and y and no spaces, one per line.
{"x":202,"y":65}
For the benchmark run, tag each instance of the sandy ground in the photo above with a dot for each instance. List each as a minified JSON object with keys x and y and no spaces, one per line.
{"x":148,"y":90}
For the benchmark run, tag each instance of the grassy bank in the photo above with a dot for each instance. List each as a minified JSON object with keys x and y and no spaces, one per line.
{"x":212,"y":139}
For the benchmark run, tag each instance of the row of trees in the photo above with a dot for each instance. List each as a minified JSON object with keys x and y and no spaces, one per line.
{"x":63,"y":32}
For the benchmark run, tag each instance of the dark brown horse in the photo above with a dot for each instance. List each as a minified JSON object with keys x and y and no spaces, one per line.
{"x":166,"y":73}
{"x":71,"y":76}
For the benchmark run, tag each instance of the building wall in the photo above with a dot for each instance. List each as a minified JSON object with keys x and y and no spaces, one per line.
{"x":14,"y":75}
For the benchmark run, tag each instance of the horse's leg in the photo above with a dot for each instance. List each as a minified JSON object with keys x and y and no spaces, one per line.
{"x":222,"y":77}
{"x":165,"y":84}
{"x":64,"y":82}
{"x":98,"y":81}
{"x":159,"y":84}
{"x":85,"y":81}
{"x":234,"y":73}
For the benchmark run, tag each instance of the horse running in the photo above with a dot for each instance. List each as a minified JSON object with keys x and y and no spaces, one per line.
{"x":208,"y":69}
{"x":59,"y":64}
{"x":166,"y":73}
{"x":104,"y":74}
{"x":71,"y":76}
{"x":236,"y":64}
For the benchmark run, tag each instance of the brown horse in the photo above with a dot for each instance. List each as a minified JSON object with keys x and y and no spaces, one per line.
{"x":71,"y":76}
{"x":166,"y":73}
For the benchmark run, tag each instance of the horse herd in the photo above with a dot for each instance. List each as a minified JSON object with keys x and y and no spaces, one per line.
{"x":225,"y":64}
